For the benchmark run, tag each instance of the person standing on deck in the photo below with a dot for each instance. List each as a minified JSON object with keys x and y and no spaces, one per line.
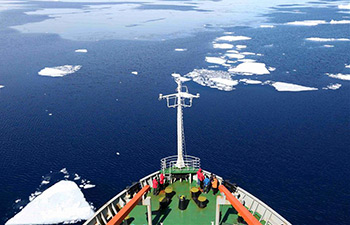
{"x":161,"y":181}
{"x":214,"y":185}
{"x":200,"y":177}
{"x":155,"y":186}
{"x":206,"y":185}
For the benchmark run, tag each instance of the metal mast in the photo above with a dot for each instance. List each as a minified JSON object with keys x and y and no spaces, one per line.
{"x":180,"y":99}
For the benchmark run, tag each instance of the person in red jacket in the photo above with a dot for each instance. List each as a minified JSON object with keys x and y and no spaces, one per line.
{"x":161,"y":181}
{"x":155,"y":186}
{"x":200,"y":177}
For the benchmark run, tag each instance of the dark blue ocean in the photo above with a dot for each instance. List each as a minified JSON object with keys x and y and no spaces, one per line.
{"x":289,"y":149}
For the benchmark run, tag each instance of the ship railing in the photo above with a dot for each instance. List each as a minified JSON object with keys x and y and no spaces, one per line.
{"x":258,"y":208}
{"x":168,"y":164}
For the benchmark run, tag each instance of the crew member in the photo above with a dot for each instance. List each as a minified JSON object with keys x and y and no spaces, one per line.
{"x":215,"y":185}
{"x":155,"y":186}
{"x":161,"y":181}
{"x":200,"y":177}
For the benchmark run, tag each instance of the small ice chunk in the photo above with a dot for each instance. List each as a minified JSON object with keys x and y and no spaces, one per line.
{"x":241,"y":46}
{"x":328,"y":46}
{"x":282,"y":86}
{"x":267,"y":26}
{"x":332,"y":87}
{"x":223,"y":46}
{"x":228,"y":32}
{"x":76,"y":177}
{"x":45,"y":182}
{"x":177,"y":77}
{"x":232,"y":38}
{"x":248,"y":81}
{"x":87,"y":186}
{"x":250,"y":68}
{"x":61,"y":203}
{"x":18,"y":200}
{"x":248,"y":53}
{"x":344,"y":6}
{"x":59,"y":71}
{"x":81,"y":50}
{"x":180,"y":49}
{"x":134,"y":72}
{"x":66,"y":176}
{"x":347,"y":66}
{"x":271,"y":68}
{"x":339,"y":76}
{"x":215,"y":60}
{"x":307,"y":23}
{"x":117,"y":153}
{"x":64,"y":171}
{"x":50,"y":114}
{"x":326,"y":39}
{"x":2,"y":86}
{"x":234,"y":55}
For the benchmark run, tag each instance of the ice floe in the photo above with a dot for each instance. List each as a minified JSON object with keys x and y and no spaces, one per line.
{"x":241,"y":46}
{"x":328,"y":46}
{"x":76,"y":177}
{"x":235,"y":55}
{"x":340,"y":22}
{"x":339,"y":76}
{"x":347,"y":66}
{"x":45,"y":182}
{"x":326,"y":39}
{"x":59,"y":71}
{"x":134,"y":72}
{"x":267,"y":26}
{"x":344,"y":6}
{"x":18,"y":200}
{"x":282,"y":86}
{"x":2,"y":86}
{"x":307,"y":23}
{"x":81,"y":50}
{"x":332,"y":87}
{"x":232,"y":38}
{"x":61,"y":203}
{"x":271,"y":68}
{"x":179,"y":77}
{"x":215,"y":79}
{"x":215,"y":60}
{"x":180,"y":49}
{"x":222,"y":46}
{"x":246,"y":60}
{"x":250,"y":68}
{"x":248,"y":81}
{"x":248,"y":53}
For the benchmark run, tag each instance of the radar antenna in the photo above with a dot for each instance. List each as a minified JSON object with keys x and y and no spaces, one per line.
{"x":180,"y":99}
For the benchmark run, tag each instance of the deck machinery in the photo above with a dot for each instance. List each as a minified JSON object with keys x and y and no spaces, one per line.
{"x":181,"y":201}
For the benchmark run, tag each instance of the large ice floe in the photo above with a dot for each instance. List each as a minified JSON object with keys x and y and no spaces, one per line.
{"x":250,"y":68}
{"x":248,"y":81}
{"x":59,"y":71}
{"x":282,"y":86}
{"x":326,"y":39}
{"x":222,"y":45}
{"x":344,"y":6}
{"x":339,"y":76}
{"x":212,"y":78}
{"x":232,"y":38}
{"x":307,"y":23}
{"x":215,"y":60}
{"x":61,"y":203}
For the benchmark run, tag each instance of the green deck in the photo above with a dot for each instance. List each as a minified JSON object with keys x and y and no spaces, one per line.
{"x":192,"y":215}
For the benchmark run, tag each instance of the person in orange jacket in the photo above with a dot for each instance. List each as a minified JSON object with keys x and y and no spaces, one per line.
{"x":215,"y":185}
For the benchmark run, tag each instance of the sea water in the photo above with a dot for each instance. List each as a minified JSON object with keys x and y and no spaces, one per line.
{"x":79,"y":86}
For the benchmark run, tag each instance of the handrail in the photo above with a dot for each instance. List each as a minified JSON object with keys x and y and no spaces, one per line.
{"x":247,"y":216}
{"x":118,"y":219}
